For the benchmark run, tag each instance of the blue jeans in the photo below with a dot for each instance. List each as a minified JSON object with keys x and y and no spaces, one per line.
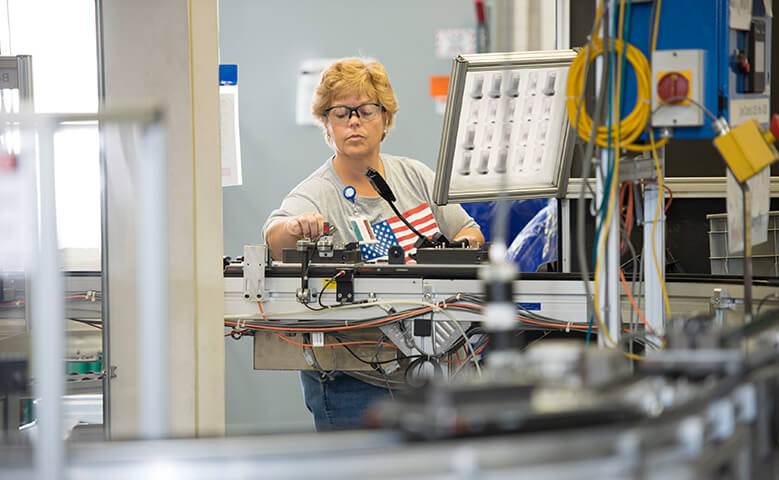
{"x":338,"y":404}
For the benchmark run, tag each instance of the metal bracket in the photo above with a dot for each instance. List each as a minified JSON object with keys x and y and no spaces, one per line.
{"x":721,"y":301}
{"x":640,"y":167}
{"x":255,"y":258}
{"x":111,"y":372}
{"x":427,"y":292}
{"x":344,"y":286}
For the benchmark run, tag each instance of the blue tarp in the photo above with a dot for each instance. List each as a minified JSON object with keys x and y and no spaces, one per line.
{"x":532,"y":230}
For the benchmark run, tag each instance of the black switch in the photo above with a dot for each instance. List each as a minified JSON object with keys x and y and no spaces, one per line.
{"x":756,"y":55}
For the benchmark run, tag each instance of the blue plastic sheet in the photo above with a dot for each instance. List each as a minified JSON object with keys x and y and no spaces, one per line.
{"x":532,"y":230}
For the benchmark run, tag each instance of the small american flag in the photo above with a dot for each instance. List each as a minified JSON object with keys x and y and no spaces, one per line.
{"x":394,"y":232}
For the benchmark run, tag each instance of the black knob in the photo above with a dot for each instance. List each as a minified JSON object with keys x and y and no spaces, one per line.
{"x":396,"y":255}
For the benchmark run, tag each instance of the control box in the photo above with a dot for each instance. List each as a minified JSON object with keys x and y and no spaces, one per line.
{"x":677,"y":74}
{"x":714,"y":52}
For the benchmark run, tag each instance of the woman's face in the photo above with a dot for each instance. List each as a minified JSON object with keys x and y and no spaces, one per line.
{"x":356,"y":134}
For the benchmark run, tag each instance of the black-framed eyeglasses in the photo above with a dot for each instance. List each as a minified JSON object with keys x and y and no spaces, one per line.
{"x":365,"y":112}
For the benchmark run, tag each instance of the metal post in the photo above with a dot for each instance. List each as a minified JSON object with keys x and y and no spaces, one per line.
{"x":608,"y":284}
{"x":747,"y":252}
{"x":564,"y":230}
{"x":25,"y":87}
{"x":653,"y":287}
{"x":24,"y":74}
{"x":48,"y":310}
{"x":104,"y":287}
{"x":608,"y":275}
{"x":503,"y":19}
{"x":613,"y":313}
{"x":563,"y":22}
{"x":152,"y":283}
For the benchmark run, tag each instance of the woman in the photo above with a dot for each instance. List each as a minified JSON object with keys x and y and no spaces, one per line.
{"x":356,"y":105}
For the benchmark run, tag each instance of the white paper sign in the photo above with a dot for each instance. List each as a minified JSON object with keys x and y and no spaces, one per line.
{"x":231,"y":136}
{"x":760,"y":203}
{"x":452,"y":42}
{"x":740,"y":14}
{"x":308,"y":79}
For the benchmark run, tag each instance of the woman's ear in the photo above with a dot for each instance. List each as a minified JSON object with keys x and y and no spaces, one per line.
{"x":328,"y":131}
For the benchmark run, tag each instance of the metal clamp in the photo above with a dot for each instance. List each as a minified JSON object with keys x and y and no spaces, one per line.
{"x":255,"y":258}
{"x":721,"y":301}
{"x":344,"y":286}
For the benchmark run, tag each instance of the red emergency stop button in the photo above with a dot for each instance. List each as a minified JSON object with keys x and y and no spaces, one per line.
{"x":673,"y":84}
{"x":775,"y":126}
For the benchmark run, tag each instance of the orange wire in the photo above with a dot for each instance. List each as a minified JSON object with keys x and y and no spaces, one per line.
{"x":19,"y":303}
{"x":632,"y":300}
{"x":461,"y":360}
{"x":396,"y":317}
{"x":666,"y":187}
{"x":534,"y":322}
{"x":526,"y":320}
{"x":328,"y":329}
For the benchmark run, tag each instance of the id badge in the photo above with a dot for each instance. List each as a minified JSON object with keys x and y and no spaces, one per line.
{"x":363,"y":231}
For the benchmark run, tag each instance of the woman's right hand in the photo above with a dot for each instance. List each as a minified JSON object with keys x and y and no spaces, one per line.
{"x":309,"y":224}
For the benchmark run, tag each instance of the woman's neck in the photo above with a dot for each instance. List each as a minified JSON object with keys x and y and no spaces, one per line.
{"x":352,"y":172}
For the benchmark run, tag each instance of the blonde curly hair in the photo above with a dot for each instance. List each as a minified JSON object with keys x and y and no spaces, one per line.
{"x":354,"y":75}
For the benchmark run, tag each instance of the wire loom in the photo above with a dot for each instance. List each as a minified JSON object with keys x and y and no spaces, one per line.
{"x":461,"y":302}
{"x":629,"y":128}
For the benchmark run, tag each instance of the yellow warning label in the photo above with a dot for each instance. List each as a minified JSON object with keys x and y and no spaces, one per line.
{"x":328,"y":284}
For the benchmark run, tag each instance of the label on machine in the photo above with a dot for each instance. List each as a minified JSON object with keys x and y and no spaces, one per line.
{"x":743,"y":109}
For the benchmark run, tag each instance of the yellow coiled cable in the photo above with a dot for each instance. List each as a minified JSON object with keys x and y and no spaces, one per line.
{"x":632,"y":125}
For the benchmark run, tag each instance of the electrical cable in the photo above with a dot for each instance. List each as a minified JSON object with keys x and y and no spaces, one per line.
{"x":465,"y":339}
{"x":417,"y":364}
{"x":310,"y":356}
{"x":673,"y":102}
{"x":633,"y":277}
{"x":654,"y":145}
{"x":350,"y":306}
{"x":339,"y":344}
{"x":464,"y":363}
{"x":665,"y":187}
{"x":346,"y":326}
{"x":633,"y":124}
{"x":611,"y":184}
{"x":660,"y":201}
{"x":96,"y":324}
{"x":580,"y":206}
{"x":324,"y":288}
{"x":460,"y":360}
{"x":582,"y":153}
